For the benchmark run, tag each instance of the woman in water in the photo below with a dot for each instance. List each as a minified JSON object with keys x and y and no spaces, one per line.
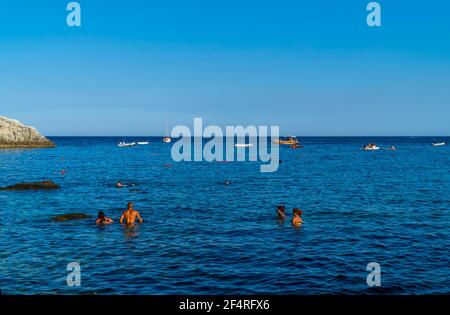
{"x":103,"y":219}
{"x":297,"y":220}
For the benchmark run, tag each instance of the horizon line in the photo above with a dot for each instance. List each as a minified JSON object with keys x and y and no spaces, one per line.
{"x":339,"y":136}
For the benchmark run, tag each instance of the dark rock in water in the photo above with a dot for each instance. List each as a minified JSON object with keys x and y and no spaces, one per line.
{"x":70,"y":216}
{"x":32,"y":186}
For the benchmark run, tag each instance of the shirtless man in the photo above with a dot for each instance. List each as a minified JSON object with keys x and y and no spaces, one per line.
{"x":130,"y":216}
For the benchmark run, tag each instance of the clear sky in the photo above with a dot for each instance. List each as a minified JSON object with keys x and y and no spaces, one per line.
{"x":311,"y":67}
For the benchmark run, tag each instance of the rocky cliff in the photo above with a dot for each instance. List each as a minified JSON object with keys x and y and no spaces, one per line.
{"x":14,"y":134}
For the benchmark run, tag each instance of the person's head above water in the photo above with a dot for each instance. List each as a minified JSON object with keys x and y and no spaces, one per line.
{"x":297,"y":211}
{"x":280,"y":208}
{"x":101,"y":215}
{"x":130,"y":205}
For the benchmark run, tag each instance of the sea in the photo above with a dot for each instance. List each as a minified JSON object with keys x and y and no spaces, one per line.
{"x":212,"y":228}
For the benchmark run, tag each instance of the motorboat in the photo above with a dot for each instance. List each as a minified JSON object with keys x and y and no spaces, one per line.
{"x":243,"y":145}
{"x":143,"y":142}
{"x":438,"y":144}
{"x":125,"y":144}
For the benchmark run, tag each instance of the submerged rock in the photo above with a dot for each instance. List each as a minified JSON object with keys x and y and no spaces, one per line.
{"x":70,"y":216}
{"x":14,"y":134}
{"x":32,"y":186}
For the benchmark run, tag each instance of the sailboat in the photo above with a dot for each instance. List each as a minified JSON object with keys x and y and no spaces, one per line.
{"x":166,"y":138}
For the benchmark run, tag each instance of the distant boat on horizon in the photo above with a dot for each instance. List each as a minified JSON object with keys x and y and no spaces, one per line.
{"x":125,"y":144}
{"x":243,"y":145}
{"x":288,"y":140}
{"x":166,"y":138}
{"x":438,"y":144}
{"x":371,"y":147}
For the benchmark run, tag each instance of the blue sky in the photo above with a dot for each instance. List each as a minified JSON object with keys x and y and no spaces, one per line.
{"x":311,"y":67}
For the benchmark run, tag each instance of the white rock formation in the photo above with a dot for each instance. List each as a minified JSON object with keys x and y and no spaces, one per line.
{"x":14,"y":134}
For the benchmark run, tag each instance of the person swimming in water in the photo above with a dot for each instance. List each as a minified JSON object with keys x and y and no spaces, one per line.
{"x":130,"y":215}
{"x":297,"y":220}
{"x":119,"y":184}
{"x":103,"y":219}
{"x":281,"y":212}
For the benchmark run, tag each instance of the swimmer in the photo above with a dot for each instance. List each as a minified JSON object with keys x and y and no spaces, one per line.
{"x":130,"y":215}
{"x":103,"y":219}
{"x":227,"y":182}
{"x":280,"y":212}
{"x":119,"y":184}
{"x":297,"y":220}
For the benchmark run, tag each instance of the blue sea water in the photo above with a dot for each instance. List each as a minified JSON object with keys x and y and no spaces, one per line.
{"x":203,"y":237}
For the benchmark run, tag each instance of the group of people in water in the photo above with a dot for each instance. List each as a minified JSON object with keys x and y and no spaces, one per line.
{"x":128,"y":217}
{"x":296,"y":215}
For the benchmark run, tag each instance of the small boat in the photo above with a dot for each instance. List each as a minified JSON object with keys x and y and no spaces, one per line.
{"x":371,"y":147}
{"x":438,"y":144}
{"x":288,"y":140}
{"x":166,"y":138}
{"x":243,"y":145}
{"x":143,"y":142}
{"x":125,"y":144}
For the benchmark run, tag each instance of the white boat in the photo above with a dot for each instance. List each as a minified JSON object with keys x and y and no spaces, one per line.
{"x":125,"y":144}
{"x":166,"y":138}
{"x":438,"y":144}
{"x":243,"y":145}
{"x":143,"y":142}
{"x":371,"y":147}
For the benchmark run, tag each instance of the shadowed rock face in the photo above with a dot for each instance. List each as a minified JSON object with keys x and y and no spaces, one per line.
{"x":14,"y":134}
{"x":70,"y":216}
{"x":32,"y":186}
